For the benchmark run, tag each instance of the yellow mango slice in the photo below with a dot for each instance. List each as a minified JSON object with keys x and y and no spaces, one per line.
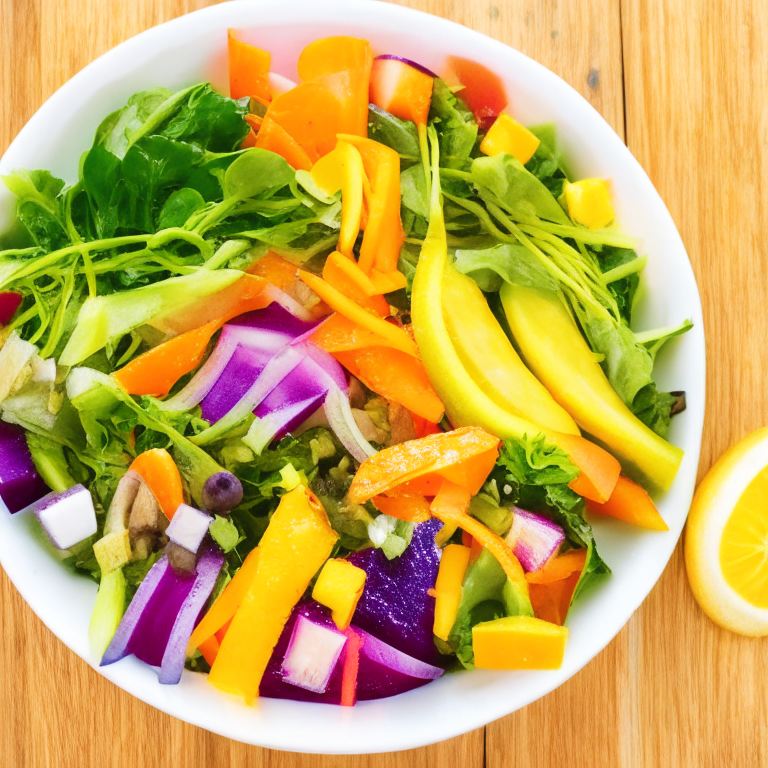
{"x":453,"y":566}
{"x":518,"y":642}
{"x":556,"y":352}
{"x":507,"y":135}
{"x":339,"y":587}
{"x":490,"y":358}
{"x":342,"y":169}
{"x":589,"y":203}
{"x":298,"y":540}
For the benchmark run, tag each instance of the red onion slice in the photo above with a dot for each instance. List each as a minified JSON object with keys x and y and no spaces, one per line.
{"x":534,"y":539}
{"x":208,"y":568}
{"x":345,"y":427}
{"x":312,"y":654}
{"x":20,"y":484}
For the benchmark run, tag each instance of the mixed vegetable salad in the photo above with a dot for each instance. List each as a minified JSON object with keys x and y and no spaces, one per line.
{"x":299,"y":377}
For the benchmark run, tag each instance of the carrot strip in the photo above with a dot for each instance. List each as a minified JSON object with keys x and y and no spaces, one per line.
{"x":599,"y":469}
{"x":350,"y":669}
{"x":338,"y":275}
{"x":210,"y":649}
{"x":330,"y":55}
{"x":275,"y":138}
{"x":410,"y":460}
{"x":412,"y":508}
{"x":157,"y":370}
{"x":424,"y":427}
{"x":387,"y":282}
{"x":396,"y":376}
{"x":632,"y":504}
{"x":339,"y":334}
{"x":225,"y":607}
{"x":255,"y":122}
{"x":450,"y":506}
{"x":248,"y":69}
{"x":384,"y":233}
{"x":249,"y":140}
{"x":161,"y":474}
{"x":342,"y":304}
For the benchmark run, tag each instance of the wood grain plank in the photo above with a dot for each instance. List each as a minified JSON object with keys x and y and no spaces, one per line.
{"x":696,"y":95}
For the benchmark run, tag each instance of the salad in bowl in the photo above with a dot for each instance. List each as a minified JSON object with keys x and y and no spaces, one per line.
{"x":318,"y":380}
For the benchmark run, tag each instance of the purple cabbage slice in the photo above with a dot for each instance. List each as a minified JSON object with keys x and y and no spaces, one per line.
{"x":20,"y":484}
{"x":395,"y":606}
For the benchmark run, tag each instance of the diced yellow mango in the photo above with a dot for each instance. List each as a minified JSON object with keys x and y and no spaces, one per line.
{"x":339,"y":587}
{"x":507,"y":135}
{"x":113,"y":551}
{"x":298,"y":540}
{"x":453,"y":566}
{"x":589,"y":202}
{"x":518,"y":642}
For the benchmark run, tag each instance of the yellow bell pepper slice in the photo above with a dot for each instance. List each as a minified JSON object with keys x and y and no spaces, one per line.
{"x":518,"y":642}
{"x":339,"y":587}
{"x":342,"y":169}
{"x":453,"y":566}
{"x":507,"y":135}
{"x":227,"y":603}
{"x":589,"y":203}
{"x":298,"y":540}
{"x":336,"y":300}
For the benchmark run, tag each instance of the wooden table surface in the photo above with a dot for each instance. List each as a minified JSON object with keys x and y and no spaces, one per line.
{"x":686,"y":85}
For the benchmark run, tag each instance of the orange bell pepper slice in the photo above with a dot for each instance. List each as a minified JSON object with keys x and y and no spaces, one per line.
{"x":424,"y":427}
{"x":384,"y":233}
{"x":226,"y":605}
{"x":350,"y":56}
{"x":413,"y":508}
{"x":330,"y":55}
{"x":401,"y":89}
{"x":157,"y":370}
{"x":276,"y":270}
{"x":410,"y":460}
{"x":387,"y":282}
{"x":336,"y":300}
{"x":599,"y":469}
{"x":249,"y":140}
{"x":298,"y":540}
{"x":344,"y":275}
{"x":276,"y":139}
{"x":396,"y":376}
{"x":248,"y":69}
{"x":210,"y":649}
{"x":340,"y":334}
{"x":559,"y":568}
{"x":315,"y":112}
{"x":161,"y":474}
{"x":552,"y":587}
{"x":342,"y":169}
{"x":632,"y":504}
{"x":450,"y":506}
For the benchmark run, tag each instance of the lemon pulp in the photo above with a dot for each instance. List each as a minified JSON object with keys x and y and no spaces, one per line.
{"x":744,"y":544}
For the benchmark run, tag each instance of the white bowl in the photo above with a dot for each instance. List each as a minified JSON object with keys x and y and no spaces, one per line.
{"x":193,"y":48}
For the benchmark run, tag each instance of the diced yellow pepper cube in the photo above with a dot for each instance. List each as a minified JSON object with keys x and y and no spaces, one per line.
{"x":339,"y":587}
{"x":518,"y":642}
{"x":453,"y":566}
{"x":589,"y":202}
{"x":507,"y":135}
{"x":113,"y":551}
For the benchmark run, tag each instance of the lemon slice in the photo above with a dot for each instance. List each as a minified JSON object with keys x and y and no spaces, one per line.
{"x":726,"y":539}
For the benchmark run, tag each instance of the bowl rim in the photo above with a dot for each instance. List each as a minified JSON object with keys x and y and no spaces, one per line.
{"x":309,"y":11}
